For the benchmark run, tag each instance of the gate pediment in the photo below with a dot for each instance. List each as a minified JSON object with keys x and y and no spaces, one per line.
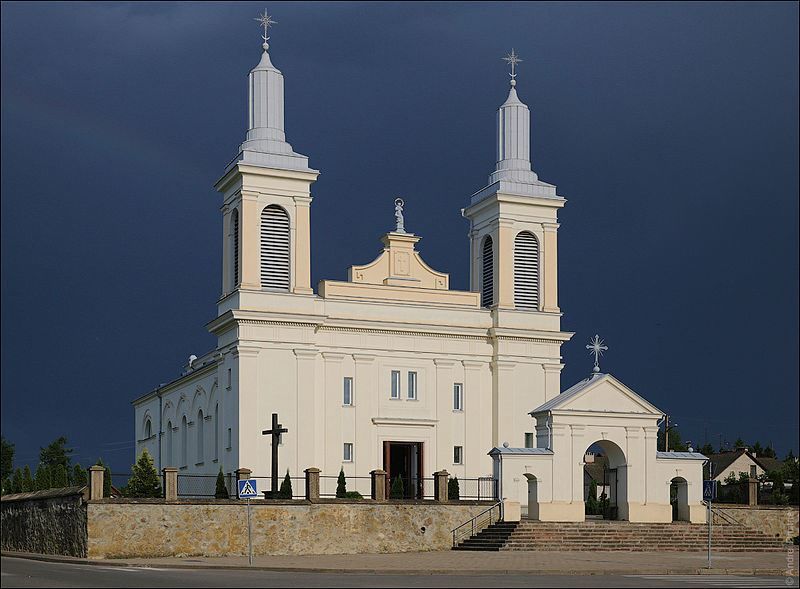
{"x":601,"y":393}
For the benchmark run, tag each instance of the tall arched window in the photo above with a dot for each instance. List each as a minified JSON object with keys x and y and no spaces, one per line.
{"x":184,"y":440}
{"x":235,"y":246}
{"x":487,"y":272}
{"x":200,"y":437}
{"x":274,"y":248}
{"x":526,"y":271}
{"x":216,"y":431}
{"x":170,"y":457}
{"x":148,"y":430}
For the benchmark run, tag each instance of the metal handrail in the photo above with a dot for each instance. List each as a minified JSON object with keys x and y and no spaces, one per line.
{"x":476,"y":522}
{"x":729,"y":519}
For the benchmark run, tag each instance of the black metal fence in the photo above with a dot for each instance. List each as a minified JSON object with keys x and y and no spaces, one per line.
{"x":119,"y":483}
{"x":204,"y":485}
{"x":298,"y":487}
{"x":480,"y":489}
{"x":361,"y":485}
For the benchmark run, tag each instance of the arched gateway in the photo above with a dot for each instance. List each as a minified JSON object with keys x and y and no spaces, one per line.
{"x":599,"y":411}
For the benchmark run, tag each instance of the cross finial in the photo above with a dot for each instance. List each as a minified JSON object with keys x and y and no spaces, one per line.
{"x":597,"y":347}
{"x":266,"y":22}
{"x":512,"y":59}
{"x":398,"y":215}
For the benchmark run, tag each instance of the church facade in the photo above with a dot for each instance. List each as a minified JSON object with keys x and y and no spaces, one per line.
{"x":389,"y":369}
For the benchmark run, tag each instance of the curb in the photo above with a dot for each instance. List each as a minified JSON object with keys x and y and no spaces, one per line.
{"x":419,"y":572}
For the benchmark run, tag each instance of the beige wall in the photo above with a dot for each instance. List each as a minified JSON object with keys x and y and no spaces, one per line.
{"x":132,"y":529}
{"x":774,"y":521}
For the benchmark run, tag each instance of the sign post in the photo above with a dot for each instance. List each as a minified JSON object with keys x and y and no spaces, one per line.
{"x":248,"y":488}
{"x":709,"y":494}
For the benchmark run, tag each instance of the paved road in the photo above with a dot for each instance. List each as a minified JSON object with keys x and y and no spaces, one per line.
{"x":18,"y":572}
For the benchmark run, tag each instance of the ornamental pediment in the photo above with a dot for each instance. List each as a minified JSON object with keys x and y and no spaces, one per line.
{"x":601,"y":393}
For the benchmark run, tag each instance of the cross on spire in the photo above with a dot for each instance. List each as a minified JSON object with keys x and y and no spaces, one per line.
{"x":597,"y":347}
{"x":266,"y":21}
{"x":512,"y":59}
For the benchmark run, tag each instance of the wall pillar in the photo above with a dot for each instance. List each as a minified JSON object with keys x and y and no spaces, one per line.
{"x":552,"y":380}
{"x":96,"y":474}
{"x":550,"y":269}
{"x":504,"y":265}
{"x":306,"y":363}
{"x":378,"y":484}
{"x":503,"y":404}
{"x":250,"y":242}
{"x":170,"y":483}
{"x":301,"y":277}
{"x":752,"y":491}
{"x":440,"y":485}
{"x":312,"y":484}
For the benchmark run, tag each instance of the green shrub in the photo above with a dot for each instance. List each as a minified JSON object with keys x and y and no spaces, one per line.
{"x":285,"y":492}
{"x":353,"y":495}
{"x":397,"y":491}
{"x":341,"y":486}
{"x":221,"y":492}
{"x":453,"y":492}
{"x":144,"y":481}
{"x":79,"y":476}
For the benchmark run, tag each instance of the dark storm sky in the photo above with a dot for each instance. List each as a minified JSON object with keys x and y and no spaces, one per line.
{"x":672,"y":130}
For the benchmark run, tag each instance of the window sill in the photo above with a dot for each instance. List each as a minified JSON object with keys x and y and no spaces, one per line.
{"x":183,"y":468}
{"x":199,"y":463}
{"x":350,"y":406}
{"x":215,"y":460}
{"x":458,"y":411}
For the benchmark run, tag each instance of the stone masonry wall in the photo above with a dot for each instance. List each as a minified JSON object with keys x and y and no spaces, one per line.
{"x":775,"y":521}
{"x":47,"y":522}
{"x":131,"y":528}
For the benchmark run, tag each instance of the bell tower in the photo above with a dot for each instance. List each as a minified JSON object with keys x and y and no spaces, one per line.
{"x":266,"y":198}
{"x":513,"y":221}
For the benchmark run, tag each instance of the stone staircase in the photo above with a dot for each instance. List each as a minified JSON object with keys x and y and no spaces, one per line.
{"x":618,"y":536}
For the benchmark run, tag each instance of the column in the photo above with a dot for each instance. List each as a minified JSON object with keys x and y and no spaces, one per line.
{"x":301,"y":276}
{"x":552,"y":380}
{"x":444,"y":413}
{"x":578,"y":446}
{"x":247,"y":440}
{"x":332,"y":431}
{"x":650,"y":475}
{"x":503,"y":403}
{"x":306,"y":409}
{"x":365,"y":383}
{"x":504,"y":265}
{"x":550,"y":268}
{"x":170,"y":483}
{"x":249,"y":229}
{"x":96,"y":474}
{"x":476,"y":443}
{"x":227,"y":255}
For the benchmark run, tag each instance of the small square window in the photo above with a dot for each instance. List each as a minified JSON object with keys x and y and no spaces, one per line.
{"x":395,"y":384}
{"x":347,"y":394}
{"x":412,"y":385}
{"x":528,"y":440}
{"x":347,"y":454}
{"x":458,"y":397}
{"x":458,"y":454}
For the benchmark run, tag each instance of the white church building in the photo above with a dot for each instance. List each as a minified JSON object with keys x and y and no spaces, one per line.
{"x":391,"y":369}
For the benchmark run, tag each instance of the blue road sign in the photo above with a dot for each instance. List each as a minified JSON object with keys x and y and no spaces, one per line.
{"x":248,"y":489}
{"x":709,"y":490}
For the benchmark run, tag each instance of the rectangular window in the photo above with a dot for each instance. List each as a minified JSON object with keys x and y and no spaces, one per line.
{"x":458,"y":454}
{"x":229,"y":379}
{"x":528,"y":440}
{"x":347,"y":398}
{"x":347,"y":455}
{"x":458,"y":397}
{"x":412,"y":385}
{"x":230,"y":438}
{"x":395,"y":384}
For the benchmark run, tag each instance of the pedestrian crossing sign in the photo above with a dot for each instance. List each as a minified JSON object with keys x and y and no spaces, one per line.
{"x":248,"y":489}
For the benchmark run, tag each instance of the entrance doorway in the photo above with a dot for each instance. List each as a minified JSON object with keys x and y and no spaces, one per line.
{"x":679,"y":499}
{"x":605,"y":491}
{"x":404,"y":460}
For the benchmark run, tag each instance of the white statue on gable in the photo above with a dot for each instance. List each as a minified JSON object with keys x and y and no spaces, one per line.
{"x":398,"y":215}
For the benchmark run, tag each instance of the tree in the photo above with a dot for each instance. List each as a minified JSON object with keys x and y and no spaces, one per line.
{"x":757,"y":449}
{"x":739,"y":443}
{"x":592,"y":504}
{"x":285,"y":492}
{"x":17,"y":484}
{"x":58,"y":476}
{"x":6,"y":458}
{"x":769,"y":452}
{"x":41,"y":480}
{"x":79,"y":476}
{"x":453,"y":490}
{"x":397,"y":491}
{"x":221,"y":492}
{"x":56,"y":453}
{"x":144,"y":481}
{"x":341,"y":485}
{"x":27,"y":480}
{"x":675,"y":442}
{"x":706,"y":449}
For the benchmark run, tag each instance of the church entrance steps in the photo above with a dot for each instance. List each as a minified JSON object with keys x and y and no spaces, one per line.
{"x":618,"y":536}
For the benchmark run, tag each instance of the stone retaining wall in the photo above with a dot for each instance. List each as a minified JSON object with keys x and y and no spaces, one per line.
{"x":772,"y":520}
{"x":153,"y":528}
{"x":47,"y":522}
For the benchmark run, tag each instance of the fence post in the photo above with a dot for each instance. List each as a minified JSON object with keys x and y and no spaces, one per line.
{"x":241,"y":475}
{"x":378,"y":484}
{"x":170,"y":483}
{"x":96,"y":474}
{"x":312,"y":484}
{"x":440,"y":485}
{"x":752,"y":491}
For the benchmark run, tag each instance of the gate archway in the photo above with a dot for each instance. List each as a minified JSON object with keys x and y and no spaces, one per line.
{"x":605,"y":489}
{"x":679,"y":499}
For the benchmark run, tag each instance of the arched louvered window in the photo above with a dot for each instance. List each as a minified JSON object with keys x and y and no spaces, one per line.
{"x":216,"y":431}
{"x":184,"y":442}
{"x":200,"y":437}
{"x":274,"y":248}
{"x":235,"y":246}
{"x":170,"y":457}
{"x":526,"y":271}
{"x":487,"y":272}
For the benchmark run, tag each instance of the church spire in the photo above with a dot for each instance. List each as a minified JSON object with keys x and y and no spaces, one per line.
{"x":265,"y":144}
{"x":513,"y":135}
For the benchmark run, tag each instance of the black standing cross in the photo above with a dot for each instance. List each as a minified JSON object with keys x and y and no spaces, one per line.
{"x":275,"y":432}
